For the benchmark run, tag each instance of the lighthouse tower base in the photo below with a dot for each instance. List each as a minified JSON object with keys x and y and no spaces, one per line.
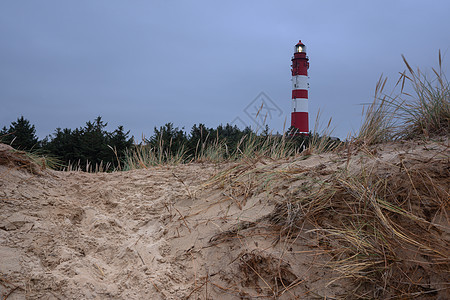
{"x":300,"y":121}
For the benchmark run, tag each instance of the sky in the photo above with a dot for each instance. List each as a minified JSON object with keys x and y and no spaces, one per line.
{"x":142,"y":64}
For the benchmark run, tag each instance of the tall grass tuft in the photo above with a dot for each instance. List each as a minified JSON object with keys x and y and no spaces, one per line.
{"x":427,"y":111}
{"x":89,"y":167}
{"x":44,"y":160}
{"x":251,"y":146}
{"x":320,"y":141}
{"x":270,"y":146}
{"x":378,"y":119}
{"x":421,"y":108}
{"x":142,"y":156}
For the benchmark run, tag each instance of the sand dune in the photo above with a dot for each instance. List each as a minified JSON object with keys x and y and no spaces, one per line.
{"x":172,"y":232}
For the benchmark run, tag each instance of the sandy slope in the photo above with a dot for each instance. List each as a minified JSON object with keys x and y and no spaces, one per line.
{"x":76,"y":235}
{"x":159,"y":233}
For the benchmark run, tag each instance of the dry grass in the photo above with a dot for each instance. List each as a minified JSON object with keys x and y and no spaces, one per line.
{"x":378,"y":119}
{"x":320,"y":139}
{"x":88,"y":167}
{"x":142,"y":156}
{"x":386,"y":226}
{"x":33,"y":162}
{"x":420,"y":109}
{"x":426,"y":109}
{"x":250,"y":147}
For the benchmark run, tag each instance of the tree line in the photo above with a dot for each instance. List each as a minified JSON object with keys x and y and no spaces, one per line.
{"x":93,"y":144}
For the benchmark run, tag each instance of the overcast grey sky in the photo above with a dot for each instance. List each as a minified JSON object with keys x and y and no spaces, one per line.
{"x":142,"y":64}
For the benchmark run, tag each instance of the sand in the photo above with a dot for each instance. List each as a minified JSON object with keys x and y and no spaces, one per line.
{"x":166,"y":232}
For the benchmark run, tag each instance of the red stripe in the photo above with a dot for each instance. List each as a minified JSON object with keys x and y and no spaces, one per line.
{"x":299,"y":120}
{"x":300,"y":55}
{"x":300,"y":94}
{"x":300,"y":64}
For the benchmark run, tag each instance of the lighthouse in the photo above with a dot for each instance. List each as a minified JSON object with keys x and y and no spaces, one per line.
{"x":300,"y":86}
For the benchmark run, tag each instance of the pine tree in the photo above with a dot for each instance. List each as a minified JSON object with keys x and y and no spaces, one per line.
{"x":21,"y":135}
{"x":120,"y":142}
{"x":199,"y":138}
{"x":169,"y":139}
{"x":91,"y":144}
{"x":94,"y":143}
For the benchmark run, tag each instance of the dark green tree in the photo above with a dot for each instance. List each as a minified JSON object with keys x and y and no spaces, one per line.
{"x":199,"y":138}
{"x":94,"y":143}
{"x":120,"y":141}
{"x":20,"y":134}
{"x":266,"y":131}
{"x":168,"y":139}
{"x":232,"y":135}
{"x":91,"y":144}
{"x":64,"y":144}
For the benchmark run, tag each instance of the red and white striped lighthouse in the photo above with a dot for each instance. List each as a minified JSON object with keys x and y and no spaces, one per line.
{"x":300,"y":85}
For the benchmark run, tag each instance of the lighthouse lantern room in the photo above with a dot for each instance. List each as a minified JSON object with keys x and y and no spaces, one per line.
{"x":300,"y":86}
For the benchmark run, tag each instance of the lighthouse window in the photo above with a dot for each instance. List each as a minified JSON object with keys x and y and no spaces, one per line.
{"x":300,"y":48}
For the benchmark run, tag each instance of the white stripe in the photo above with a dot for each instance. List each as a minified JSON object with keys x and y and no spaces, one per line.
{"x":300,"y":82}
{"x":300,"y":105}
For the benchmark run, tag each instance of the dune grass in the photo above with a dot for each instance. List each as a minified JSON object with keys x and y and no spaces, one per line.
{"x":427,"y":111}
{"x":320,"y":139}
{"x":250,"y":147}
{"x":419,"y":109}
{"x":378,"y":118}
{"x":88,"y":167}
